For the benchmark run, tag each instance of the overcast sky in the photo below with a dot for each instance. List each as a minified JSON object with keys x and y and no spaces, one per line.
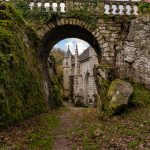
{"x":72,"y":42}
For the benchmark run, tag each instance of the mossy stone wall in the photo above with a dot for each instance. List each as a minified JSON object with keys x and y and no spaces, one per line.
{"x":21,"y":89}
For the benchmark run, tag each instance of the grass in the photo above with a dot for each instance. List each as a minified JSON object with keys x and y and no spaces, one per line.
{"x":33,"y":134}
{"x":129,"y":130}
{"x":42,"y":138}
{"x":133,"y":144}
{"x":87,"y":145}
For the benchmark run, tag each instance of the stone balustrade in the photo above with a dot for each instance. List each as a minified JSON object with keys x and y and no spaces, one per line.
{"x":121,"y":7}
{"x":125,"y":7}
{"x":57,"y":6}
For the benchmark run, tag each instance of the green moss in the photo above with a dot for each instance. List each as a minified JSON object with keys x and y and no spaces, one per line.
{"x":133,"y":144}
{"x":105,"y":111}
{"x":144,"y":7}
{"x":42,"y":137}
{"x":85,"y":16}
{"x":39,"y":134}
{"x":112,"y":88}
{"x":56,"y":92}
{"x":21,"y":93}
{"x":140,"y":96}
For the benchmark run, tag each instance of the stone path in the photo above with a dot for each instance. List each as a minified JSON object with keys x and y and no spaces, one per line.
{"x":68,"y":118}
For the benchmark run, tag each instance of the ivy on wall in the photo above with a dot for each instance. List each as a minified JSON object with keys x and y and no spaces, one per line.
{"x":144,"y":7}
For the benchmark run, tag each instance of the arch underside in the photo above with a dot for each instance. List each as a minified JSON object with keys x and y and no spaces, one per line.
{"x":53,"y":36}
{"x":61,"y":32}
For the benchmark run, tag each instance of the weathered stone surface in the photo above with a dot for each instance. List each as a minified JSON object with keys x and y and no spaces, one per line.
{"x":134,"y":57}
{"x":106,"y":72}
{"x":119,"y":94}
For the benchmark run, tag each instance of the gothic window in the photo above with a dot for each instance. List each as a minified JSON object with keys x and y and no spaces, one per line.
{"x":66,"y":62}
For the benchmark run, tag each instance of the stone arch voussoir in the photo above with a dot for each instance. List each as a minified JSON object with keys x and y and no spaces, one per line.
{"x":105,"y":47}
{"x":64,"y":21}
{"x":107,"y":53}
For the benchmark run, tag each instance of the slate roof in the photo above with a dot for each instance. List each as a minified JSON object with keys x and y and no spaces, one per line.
{"x":68,"y":53}
{"x":84,"y":56}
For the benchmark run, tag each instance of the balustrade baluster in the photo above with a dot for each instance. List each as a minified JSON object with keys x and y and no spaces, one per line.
{"x":136,"y":10}
{"x":105,"y":8}
{"x":46,"y":5}
{"x":65,"y":8}
{"x":110,"y":7}
{"x":54,"y":9}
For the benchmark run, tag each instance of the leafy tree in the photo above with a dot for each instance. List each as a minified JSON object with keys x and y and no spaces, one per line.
{"x":59,"y":55}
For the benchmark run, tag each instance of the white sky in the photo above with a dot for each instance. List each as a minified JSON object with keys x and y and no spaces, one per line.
{"x":72,"y":42}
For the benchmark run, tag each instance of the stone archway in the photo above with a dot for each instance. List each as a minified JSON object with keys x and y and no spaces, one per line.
{"x":60,"y":29}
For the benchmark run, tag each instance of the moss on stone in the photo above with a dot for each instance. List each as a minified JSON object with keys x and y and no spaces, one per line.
{"x":112,"y":88}
{"x":140,"y":96}
{"x":104,"y":106}
{"x":144,"y":7}
{"x":21,"y":93}
{"x":57,"y":95}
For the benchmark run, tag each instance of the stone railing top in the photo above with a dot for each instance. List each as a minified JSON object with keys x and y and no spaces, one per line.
{"x":121,"y":7}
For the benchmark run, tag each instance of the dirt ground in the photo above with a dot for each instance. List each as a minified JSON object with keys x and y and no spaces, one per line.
{"x":74,"y":128}
{"x":68,"y":119}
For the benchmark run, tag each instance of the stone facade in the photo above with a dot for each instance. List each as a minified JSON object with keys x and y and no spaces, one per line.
{"x":79,"y":83}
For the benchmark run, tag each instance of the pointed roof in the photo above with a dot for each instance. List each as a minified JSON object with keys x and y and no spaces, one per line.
{"x":68,"y":53}
{"x":85,"y":55}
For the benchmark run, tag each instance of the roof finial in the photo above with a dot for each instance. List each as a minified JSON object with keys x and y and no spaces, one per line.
{"x":76,"y":49}
{"x":68,"y":47}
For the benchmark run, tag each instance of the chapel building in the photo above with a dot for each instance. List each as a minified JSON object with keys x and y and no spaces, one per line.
{"x":78,"y":79}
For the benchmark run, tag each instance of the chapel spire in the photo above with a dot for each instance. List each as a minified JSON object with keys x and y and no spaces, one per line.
{"x":68,"y":47}
{"x":68,"y":53}
{"x":76,"y":50}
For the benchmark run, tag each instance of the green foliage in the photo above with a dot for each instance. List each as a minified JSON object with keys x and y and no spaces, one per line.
{"x":133,"y":144}
{"x":105,"y":110}
{"x":90,"y":12}
{"x":59,"y":56}
{"x":22,"y":6}
{"x":42,"y":138}
{"x":144,"y":7}
{"x":41,"y":16}
{"x":10,"y":14}
{"x":84,"y":15}
{"x":21,"y":93}
{"x":87,"y":145}
{"x":140,"y":96}
{"x":56,"y":93}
